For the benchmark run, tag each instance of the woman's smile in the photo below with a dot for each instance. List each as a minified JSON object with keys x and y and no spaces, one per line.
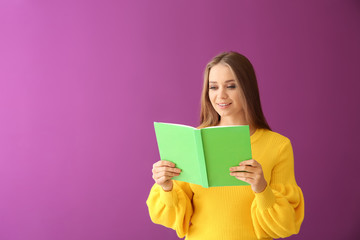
{"x":223,"y":105}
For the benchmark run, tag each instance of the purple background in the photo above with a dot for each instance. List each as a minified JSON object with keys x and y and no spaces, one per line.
{"x":81,"y":83}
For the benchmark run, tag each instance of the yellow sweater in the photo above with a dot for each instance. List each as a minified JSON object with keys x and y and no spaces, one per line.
{"x":237,"y":212}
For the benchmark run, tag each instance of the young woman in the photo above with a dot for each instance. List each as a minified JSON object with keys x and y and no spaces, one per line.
{"x":271,"y":207}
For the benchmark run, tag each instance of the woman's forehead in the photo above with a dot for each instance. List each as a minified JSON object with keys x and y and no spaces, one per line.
{"x":221,"y":73}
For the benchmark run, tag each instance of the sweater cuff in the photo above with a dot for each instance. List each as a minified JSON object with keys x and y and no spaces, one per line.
{"x":169,"y":198}
{"x":265,"y":199}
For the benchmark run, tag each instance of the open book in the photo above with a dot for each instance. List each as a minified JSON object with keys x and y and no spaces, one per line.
{"x":204,"y":155}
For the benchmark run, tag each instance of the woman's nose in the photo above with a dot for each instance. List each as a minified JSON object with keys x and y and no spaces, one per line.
{"x":223,"y":94}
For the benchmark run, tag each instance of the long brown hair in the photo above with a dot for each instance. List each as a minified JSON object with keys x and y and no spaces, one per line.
{"x":246,"y":78}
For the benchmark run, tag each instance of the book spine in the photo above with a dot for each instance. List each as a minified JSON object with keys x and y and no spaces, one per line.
{"x":201,"y":158}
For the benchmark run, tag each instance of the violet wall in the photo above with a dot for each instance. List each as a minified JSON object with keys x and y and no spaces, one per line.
{"x":81,"y":83}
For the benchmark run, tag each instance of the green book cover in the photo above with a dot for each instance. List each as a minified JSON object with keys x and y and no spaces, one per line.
{"x":204,"y":155}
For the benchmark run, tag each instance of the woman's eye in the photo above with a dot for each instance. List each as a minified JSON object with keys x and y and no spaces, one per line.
{"x":232,"y":86}
{"x":212,"y":87}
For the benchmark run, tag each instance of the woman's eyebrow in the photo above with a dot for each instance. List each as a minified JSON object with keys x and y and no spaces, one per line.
{"x":231,"y":80}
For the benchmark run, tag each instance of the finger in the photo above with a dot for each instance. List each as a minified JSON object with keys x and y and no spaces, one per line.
{"x":243,"y":168}
{"x":250,"y":162}
{"x":166,"y":169}
{"x":243,"y":174}
{"x":245,"y":179}
{"x":162,"y":179}
{"x":165,"y":174}
{"x":164,"y":163}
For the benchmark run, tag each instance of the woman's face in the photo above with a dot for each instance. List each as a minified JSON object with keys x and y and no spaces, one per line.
{"x":224,"y":92}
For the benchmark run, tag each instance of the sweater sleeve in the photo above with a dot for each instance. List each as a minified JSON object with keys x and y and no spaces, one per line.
{"x":172,"y":209}
{"x":278,"y":211}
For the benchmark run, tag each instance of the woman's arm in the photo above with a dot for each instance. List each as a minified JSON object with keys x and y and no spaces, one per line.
{"x":171,"y":208}
{"x":278,"y":211}
{"x":278,"y":207}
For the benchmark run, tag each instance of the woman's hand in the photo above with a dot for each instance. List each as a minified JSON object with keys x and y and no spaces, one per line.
{"x":163,"y":172}
{"x":250,"y":171}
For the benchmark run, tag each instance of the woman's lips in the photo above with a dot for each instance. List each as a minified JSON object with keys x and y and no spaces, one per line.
{"x":223,"y":105}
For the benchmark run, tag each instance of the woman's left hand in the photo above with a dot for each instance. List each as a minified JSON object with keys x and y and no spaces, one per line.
{"x":250,"y":171}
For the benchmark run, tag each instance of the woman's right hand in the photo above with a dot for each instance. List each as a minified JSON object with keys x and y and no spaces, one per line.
{"x":163,"y":172}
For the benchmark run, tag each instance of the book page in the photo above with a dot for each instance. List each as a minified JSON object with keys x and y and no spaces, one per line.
{"x":177,"y":144}
{"x":224,"y":148}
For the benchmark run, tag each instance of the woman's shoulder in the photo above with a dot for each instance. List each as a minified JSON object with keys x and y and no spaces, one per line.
{"x":273,"y":137}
